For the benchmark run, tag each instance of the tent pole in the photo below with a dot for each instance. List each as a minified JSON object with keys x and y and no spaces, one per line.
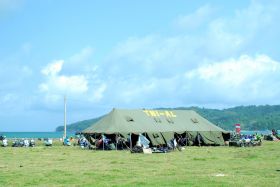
{"x":130,"y":143}
{"x":95,"y":141}
{"x":103,"y":141}
{"x":116,"y":141}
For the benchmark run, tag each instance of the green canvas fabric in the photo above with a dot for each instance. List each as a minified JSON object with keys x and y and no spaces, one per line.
{"x":162,"y":122}
{"x":156,"y":139}
{"x":167,"y":136}
{"x":191,"y":137}
{"x":212,"y":138}
{"x":125,"y":135}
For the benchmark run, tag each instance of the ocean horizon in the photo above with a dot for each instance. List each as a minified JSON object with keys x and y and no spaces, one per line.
{"x":72,"y":134}
{"x":53,"y":134}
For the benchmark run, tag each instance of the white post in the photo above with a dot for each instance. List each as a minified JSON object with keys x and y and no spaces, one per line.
{"x":64,"y":136}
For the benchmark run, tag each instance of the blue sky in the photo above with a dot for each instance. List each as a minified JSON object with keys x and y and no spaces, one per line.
{"x":128,"y":54}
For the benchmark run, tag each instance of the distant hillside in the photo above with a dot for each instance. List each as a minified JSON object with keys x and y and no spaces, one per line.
{"x":78,"y":126}
{"x":250,"y":117}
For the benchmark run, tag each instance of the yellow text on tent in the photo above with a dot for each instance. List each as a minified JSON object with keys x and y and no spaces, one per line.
{"x":156,"y":113}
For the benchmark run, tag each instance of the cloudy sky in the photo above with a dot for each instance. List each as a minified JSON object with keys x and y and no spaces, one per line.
{"x":133,"y":54}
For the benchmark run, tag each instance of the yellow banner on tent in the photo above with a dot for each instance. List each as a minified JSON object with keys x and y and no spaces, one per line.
{"x":158,"y":113}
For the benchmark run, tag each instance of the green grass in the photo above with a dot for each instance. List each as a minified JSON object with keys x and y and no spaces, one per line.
{"x":194,"y":166}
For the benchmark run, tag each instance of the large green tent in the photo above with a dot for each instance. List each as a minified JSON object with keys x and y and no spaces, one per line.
{"x":160,"y":126}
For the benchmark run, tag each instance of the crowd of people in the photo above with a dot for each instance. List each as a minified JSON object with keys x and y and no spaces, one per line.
{"x":109,"y":143}
{"x":239,"y":139}
{"x":245,"y":140}
{"x":17,"y":142}
{"x":30,"y":142}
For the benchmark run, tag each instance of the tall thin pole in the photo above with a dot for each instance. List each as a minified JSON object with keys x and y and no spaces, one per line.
{"x":103,"y":141}
{"x":64,"y":136}
{"x":116,"y":141}
{"x":130,"y":143}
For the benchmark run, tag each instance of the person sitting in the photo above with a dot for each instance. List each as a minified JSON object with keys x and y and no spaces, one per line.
{"x":83,"y":142}
{"x":21,"y":142}
{"x":32,"y":143}
{"x":66,"y":141}
{"x":273,"y":132}
{"x":48,"y":142}
{"x":25,"y":143}
{"x":16,"y":143}
{"x":4,"y":142}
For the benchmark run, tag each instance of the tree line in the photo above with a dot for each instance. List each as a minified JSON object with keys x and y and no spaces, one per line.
{"x":263,"y":117}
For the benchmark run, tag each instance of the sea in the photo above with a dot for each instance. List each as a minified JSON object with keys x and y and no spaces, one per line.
{"x":36,"y":134}
{"x":72,"y":134}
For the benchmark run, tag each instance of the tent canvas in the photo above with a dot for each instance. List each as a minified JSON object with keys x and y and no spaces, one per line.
{"x":158,"y":125}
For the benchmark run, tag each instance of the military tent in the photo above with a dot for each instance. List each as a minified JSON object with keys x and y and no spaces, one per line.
{"x":159,"y":126}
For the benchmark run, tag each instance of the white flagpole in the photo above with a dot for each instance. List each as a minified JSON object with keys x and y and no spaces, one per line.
{"x":64,"y":136}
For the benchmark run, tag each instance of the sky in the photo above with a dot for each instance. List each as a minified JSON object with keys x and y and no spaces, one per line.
{"x":133,"y":54}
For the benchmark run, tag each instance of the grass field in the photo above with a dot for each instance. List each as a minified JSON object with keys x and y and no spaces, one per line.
{"x":194,"y":166}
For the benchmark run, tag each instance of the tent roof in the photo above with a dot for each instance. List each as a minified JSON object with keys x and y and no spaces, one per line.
{"x":139,"y":121}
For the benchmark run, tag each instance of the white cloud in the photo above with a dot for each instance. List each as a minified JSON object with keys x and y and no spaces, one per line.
{"x":53,"y":68}
{"x":98,"y":93}
{"x":256,"y":16}
{"x":80,"y":63}
{"x":202,"y":68}
{"x":61,"y":84}
{"x":195,"y":19}
{"x":76,"y":77}
{"x":244,"y":31}
{"x":150,"y":56}
{"x":190,"y":67}
{"x":236,"y":71}
{"x":209,"y":61}
{"x":65,"y":84}
{"x":162,"y":56}
{"x":246,"y":80}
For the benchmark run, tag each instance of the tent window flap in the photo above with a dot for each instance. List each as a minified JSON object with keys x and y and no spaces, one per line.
{"x":129,"y":119}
